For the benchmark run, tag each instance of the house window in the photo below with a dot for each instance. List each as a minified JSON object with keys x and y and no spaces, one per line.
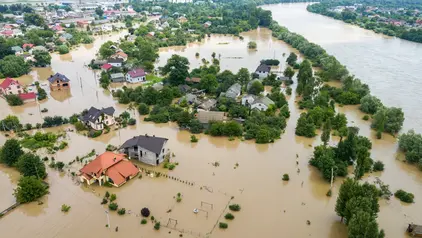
{"x":163,"y":150}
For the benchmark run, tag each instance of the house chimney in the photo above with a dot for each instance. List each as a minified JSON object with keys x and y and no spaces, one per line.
{"x":114,"y":160}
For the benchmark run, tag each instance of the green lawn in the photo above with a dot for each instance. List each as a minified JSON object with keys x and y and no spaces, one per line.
{"x":152,"y":79}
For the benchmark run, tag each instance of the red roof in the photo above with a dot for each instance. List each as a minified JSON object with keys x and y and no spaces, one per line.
{"x":106,"y":66}
{"x":27,"y":45}
{"x":8,"y":27}
{"x":115,"y":166}
{"x":27,"y":96}
{"x":193,"y":80}
{"x":120,"y":53}
{"x":7,"y":32}
{"x":57,"y":28}
{"x":7,"y":82}
{"x":136,"y":73}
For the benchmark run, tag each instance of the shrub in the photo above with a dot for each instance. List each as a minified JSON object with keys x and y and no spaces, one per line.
{"x":28,"y":126}
{"x":223,"y":225}
{"x":113,"y":197}
{"x":172,"y":166}
{"x":60,"y":165}
{"x":404,"y":196}
{"x":93,"y":133}
{"x":145,"y":212}
{"x":157,"y":226}
{"x":14,"y":100}
{"x":63,"y":49}
{"x":143,"y":109}
{"x":65,"y":208}
{"x":229,"y":216}
{"x":234,"y":207}
{"x":121,"y":211}
{"x":79,"y":126}
{"x":193,"y":139}
{"x":131,"y":122}
{"x":107,"y":194}
{"x":378,"y":166}
{"x":286,"y":177}
{"x":179,"y":197}
{"x":289,"y":91}
{"x":104,"y":201}
{"x":113,"y":206}
{"x":365,"y":118}
{"x":144,"y":221}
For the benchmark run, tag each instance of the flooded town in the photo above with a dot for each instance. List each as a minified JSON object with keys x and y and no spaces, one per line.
{"x":190,"y":119}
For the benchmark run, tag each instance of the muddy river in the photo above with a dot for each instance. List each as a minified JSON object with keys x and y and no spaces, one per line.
{"x":270,"y":207}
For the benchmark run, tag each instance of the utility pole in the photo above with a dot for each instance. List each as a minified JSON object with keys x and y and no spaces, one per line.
{"x":108,"y":218}
{"x":332,"y":177}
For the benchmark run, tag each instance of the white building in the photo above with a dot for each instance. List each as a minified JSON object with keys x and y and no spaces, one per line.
{"x":263,"y":70}
{"x":147,"y":149}
{"x":262,"y":103}
{"x":117,"y":62}
{"x":97,"y":119}
{"x":136,"y":76}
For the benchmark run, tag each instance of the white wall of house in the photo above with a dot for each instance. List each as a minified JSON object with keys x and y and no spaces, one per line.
{"x":99,"y":123}
{"x":262,"y":74}
{"x":259,"y":106}
{"x":135,"y":80}
{"x":13,"y":88}
{"x":109,"y":120}
{"x":116,"y":64}
{"x":146,"y":156}
{"x":248,"y":99}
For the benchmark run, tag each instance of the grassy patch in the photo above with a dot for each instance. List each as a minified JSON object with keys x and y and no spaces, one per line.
{"x":152,"y":79}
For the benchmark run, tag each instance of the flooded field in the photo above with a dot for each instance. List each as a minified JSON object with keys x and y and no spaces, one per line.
{"x":270,"y":207}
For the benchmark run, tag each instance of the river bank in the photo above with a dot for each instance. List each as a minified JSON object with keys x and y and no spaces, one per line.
{"x":255,"y":184}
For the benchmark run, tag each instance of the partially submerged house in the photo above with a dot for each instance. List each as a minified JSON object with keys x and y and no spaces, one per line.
{"x":97,"y":119}
{"x":117,"y":77}
{"x":257,"y":102}
{"x":108,"y":168}
{"x":119,"y":55}
{"x":117,"y":62}
{"x":263,"y":70}
{"x":414,"y":230}
{"x":147,"y":149}
{"x":205,"y":117}
{"x":10,"y":86}
{"x":136,"y":76}
{"x":59,"y":82}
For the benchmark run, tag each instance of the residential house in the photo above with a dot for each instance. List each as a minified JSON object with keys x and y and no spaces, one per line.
{"x":182,"y":20}
{"x":261,"y":103}
{"x":7,"y":33}
{"x":117,"y":77}
{"x":65,"y":37}
{"x":205,"y":117}
{"x":190,"y":98}
{"x":97,"y":119}
{"x":207,"y":24}
{"x":115,"y":62}
{"x":233,"y":92}
{"x":27,"y":47}
{"x":136,"y":76}
{"x":263,"y":70}
{"x":10,"y":86}
{"x":208,"y":104}
{"x":59,"y":82}
{"x":57,"y":28}
{"x":108,"y":168}
{"x":147,"y":149}
{"x":193,"y":80}
{"x":158,"y":86}
{"x":247,"y":100}
{"x":106,"y":67}
{"x":184,"y":88}
{"x":120,"y":55}
{"x":151,"y":34}
{"x":17,"y":49}
{"x":39,"y":48}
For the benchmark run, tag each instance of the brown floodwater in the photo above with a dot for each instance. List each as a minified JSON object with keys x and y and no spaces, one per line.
{"x":270,"y":207}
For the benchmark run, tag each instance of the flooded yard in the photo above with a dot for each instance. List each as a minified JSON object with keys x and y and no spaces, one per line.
{"x":248,"y":174}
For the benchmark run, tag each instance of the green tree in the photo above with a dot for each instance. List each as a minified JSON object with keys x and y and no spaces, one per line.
{"x":305,"y":126}
{"x":252,"y":45}
{"x":143,"y":109}
{"x":256,"y":88}
{"x":10,"y":123}
{"x":14,"y":66}
{"x":176,"y":69}
{"x":243,"y":76}
{"x":370,"y":104}
{"x":63,"y":49}
{"x":209,"y":83}
{"x":99,"y":11}
{"x":43,"y":58}
{"x":325,"y":136}
{"x":10,"y":152}
{"x":33,"y":19}
{"x":289,"y":72}
{"x":31,"y":165}
{"x":411,"y":144}
{"x":363,"y":225}
{"x":306,"y":84}
{"x":29,"y":189}
{"x":105,"y":80}
{"x":14,"y":100}
{"x":106,"y":50}
{"x":291,"y":60}
{"x":388,"y":119}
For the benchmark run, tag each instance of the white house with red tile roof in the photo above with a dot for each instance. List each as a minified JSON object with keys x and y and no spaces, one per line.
{"x":7,"y":33}
{"x":136,"y":76}
{"x":12,"y":87}
{"x":106,"y":67}
{"x":119,"y":55}
{"x":108,"y":167}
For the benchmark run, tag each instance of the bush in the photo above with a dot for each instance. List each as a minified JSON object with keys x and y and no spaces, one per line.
{"x":193,"y":139}
{"x":144,"y":221}
{"x":172,"y":166}
{"x":113,"y":206}
{"x":113,"y":197}
{"x":145,"y":212}
{"x":65,"y":208}
{"x":289,"y":91}
{"x":79,"y":126}
{"x":121,"y":211}
{"x":107,"y":194}
{"x":404,"y":196}
{"x":131,"y":122}
{"x":104,"y":201}
{"x":378,"y":166}
{"x":157,"y":226}
{"x":229,"y":216}
{"x":60,"y":165}
{"x":14,"y":100}
{"x":29,"y":189}
{"x":143,"y":109}
{"x":63,"y":49}
{"x":365,"y":118}
{"x":94,"y":134}
{"x":286,"y":177}
{"x":234,"y":207}
{"x":223,"y":225}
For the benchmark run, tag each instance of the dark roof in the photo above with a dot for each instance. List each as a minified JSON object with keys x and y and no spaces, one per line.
{"x":58,"y":76}
{"x":116,"y":60}
{"x":93,"y":113}
{"x":263,"y":68}
{"x":151,"y":143}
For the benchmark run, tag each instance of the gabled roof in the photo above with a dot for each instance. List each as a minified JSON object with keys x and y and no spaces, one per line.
{"x":264,"y":100}
{"x":115,"y":60}
{"x":58,"y":76}
{"x":16,"y":48}
{"x":193,"y":80}
{"x":120,"y":53}
{"x":27,"y":45}
{"x":151,"y":143}
{"x":117,"y":75}
{"x":263,"y":68}
{"x":7,"y":82}
{"x":27,"y":96}
{"x":207,"y":116}
{"x":207,"y":105}
{"x":107,"y":66}
{"x":233,"y":91}
{"x":136,"y":73}
{"x":93,"y":113}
